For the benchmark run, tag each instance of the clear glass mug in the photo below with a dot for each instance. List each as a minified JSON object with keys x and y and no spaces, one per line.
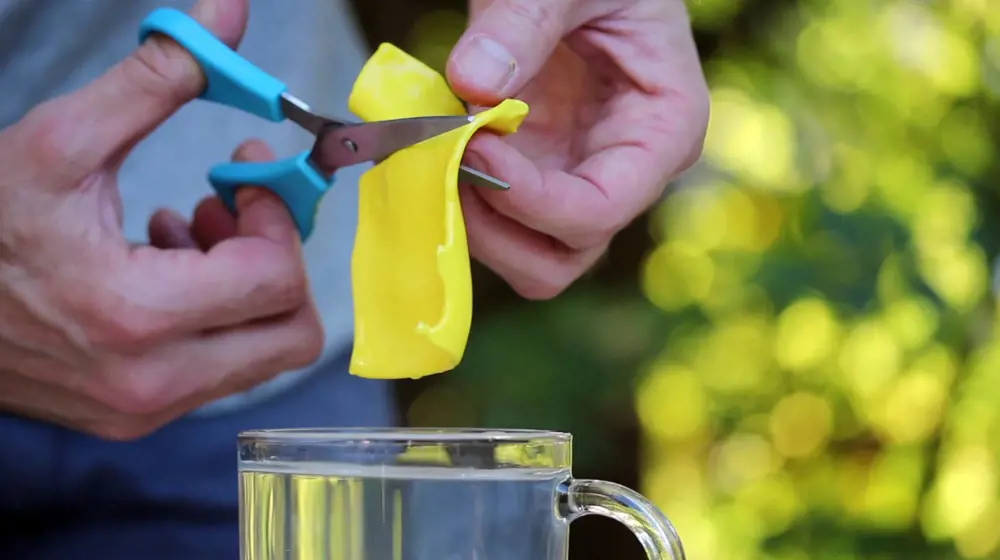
{"x":425,"y":494}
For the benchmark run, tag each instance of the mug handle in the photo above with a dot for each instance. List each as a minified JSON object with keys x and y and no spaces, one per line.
{"x":659,"y":539}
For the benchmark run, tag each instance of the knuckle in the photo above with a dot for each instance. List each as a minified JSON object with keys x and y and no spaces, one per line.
{"x":298,"y":288}
{"x":108,"y":321}
{"x":544,"y":16}
{"x":543,"y":290}
{"x":291,"y":289}
{"x":307,"y":346}
{"x":624,"y":219}
{"x":684,"y":117}
{"x":133,"y":389}
{"x":124,"y":429}
{"x":541,"y":287}
{"x":44,"y":136}
{"x":699,"y":113}
{"x":693,"y":154}
{"x":702,"y":112}
{"x":162,"y":68}
{"x":616,"y":220}
{"x":124,"y":330}
{"x":564,"y":268}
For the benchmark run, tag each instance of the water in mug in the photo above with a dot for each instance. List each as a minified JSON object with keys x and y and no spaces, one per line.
{"x":348,"y":512}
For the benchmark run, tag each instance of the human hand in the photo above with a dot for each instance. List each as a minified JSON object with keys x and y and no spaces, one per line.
{"x":619,"y":107}
{"x":116,"y":340}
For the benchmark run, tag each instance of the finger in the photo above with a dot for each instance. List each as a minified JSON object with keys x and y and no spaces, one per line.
{"x":100,"y":123}
{"x":169,"y":230}
{"x":505,"y":46}
{"x":176,"y":378}
{"x":213,"y":223}
{"x":576,"y":211}
{"x":257,"y":273}
{"x":257,"y":351}
{"x":271,"y":218}
{"x":247,"y":356}
{"x":536,"y":266}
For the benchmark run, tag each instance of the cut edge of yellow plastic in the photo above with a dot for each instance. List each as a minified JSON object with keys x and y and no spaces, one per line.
{"x":505,"y":118}
{"x":374,"y":98}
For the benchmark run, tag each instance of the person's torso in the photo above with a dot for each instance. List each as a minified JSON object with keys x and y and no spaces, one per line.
{"x":52,"y":47}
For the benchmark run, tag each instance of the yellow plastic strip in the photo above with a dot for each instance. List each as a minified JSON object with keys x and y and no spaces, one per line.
{"x":410,"y":269}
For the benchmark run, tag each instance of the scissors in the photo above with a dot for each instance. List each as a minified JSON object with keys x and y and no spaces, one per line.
{"x":302,"y":180}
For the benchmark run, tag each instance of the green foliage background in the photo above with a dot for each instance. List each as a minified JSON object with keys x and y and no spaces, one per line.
{"x":808,"y":341}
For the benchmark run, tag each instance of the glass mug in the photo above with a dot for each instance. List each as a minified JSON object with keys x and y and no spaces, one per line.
{"x":425,"y":494}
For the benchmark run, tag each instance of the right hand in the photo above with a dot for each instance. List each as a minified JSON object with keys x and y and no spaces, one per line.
{"x":116,"y":340}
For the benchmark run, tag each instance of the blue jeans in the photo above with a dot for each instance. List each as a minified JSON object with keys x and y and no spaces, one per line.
{"x":170,"y":496}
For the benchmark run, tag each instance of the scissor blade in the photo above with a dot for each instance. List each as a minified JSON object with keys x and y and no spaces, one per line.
{"x":477,"y":178}
{"x":342,"y":146}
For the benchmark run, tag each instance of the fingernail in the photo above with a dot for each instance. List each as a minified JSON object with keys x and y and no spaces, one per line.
{"x":205,"y":11}
{"x":486,"y":64}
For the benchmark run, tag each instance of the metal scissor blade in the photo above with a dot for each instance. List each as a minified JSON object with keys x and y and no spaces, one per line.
{"x":477,"y":178}
{"x":343,"y":146}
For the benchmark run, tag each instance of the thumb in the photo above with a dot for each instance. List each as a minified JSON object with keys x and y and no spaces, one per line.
{"x":107,"y":117}
{"x":505,"y":46}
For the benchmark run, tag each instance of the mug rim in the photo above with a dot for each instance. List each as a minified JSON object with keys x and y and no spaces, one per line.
{"x":392,"y":435}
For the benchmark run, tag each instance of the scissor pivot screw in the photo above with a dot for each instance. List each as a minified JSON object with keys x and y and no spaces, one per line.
{"x":350,"y":145}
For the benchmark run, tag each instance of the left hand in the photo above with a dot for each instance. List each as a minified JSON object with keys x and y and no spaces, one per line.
{"x":619,"y":107}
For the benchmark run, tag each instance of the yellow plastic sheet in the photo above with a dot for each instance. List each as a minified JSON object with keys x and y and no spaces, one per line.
{"x":410,"y":268}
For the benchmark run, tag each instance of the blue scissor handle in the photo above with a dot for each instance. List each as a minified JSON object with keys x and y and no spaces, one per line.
{"x":295,"y":180}
{"x":232,"y":80}
{"x":235,"y":82}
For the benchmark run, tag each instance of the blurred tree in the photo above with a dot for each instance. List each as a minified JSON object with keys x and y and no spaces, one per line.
{"x":830,"y":268}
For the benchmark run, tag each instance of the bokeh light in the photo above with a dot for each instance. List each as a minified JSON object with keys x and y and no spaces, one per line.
{"x":857,"y":392}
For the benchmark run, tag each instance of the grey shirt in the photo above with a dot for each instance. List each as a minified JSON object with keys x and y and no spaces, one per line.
{"x":51,"y":47}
